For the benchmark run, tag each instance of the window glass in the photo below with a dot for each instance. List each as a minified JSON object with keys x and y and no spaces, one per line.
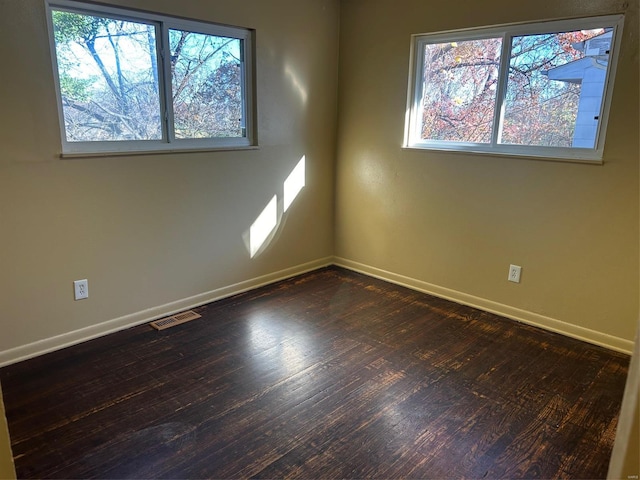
{"x":206,"y":85}
{"x":459,"y":90}
{"x":108,"y":81}
{"x":555,"y":88}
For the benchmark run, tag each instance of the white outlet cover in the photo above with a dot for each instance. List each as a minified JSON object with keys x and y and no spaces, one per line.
{"x":514,"y":273}
{"x":81,"y":289}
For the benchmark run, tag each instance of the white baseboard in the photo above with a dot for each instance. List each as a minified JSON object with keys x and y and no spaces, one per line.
{"x":524,"y":316}
{"x":58,"y":342}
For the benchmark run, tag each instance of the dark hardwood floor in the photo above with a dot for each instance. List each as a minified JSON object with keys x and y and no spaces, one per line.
{"x":328,"y":375}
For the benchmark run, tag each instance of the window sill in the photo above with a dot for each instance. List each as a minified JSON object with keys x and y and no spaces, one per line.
{"x":131,"y":153}
{"x":512,"y":155}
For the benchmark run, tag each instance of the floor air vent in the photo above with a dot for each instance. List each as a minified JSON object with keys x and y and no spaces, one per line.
{"x":176,"y":319}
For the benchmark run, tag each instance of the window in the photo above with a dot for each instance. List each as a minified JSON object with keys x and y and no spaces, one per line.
{"x":539,"y":90}
{"x":129,"y":81}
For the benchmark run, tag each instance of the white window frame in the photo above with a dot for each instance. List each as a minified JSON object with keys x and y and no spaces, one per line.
{"x":168,"y":142}
{"x":412,"y":138}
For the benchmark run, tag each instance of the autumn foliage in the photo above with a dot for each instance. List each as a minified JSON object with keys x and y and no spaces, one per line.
{"x":460,"y":88}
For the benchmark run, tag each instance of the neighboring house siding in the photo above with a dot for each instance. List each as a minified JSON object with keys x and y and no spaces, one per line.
{"x":589,"y":105}
{"x":591,"y":73}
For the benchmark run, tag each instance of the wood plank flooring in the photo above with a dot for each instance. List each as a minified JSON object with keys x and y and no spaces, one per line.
{"x":330,"y":374}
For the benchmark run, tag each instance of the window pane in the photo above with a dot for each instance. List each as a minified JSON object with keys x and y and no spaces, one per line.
{"x":459,"y":90}
{"x":108,"y":78}
{"x":555,"y":88}
{"x":207,"y":85}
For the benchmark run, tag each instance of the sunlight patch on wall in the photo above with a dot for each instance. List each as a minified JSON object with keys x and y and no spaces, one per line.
{"x":297,"y":85}
{"x":263,"y":226}
{"x":294,"y":183}
{"x":264,"y":229}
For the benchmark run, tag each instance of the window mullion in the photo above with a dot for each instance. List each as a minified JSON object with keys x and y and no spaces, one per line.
{"x":243,"y":88}
{"x":162,"y":97}
{"x":503,"y":77}
{"x":415,"y":108}
{"x":248,"y":90}
{"x":166,"y":82}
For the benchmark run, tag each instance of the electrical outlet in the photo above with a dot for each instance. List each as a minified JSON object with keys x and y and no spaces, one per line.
{"x":81,"y":289}
{"x":514,"y":273}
